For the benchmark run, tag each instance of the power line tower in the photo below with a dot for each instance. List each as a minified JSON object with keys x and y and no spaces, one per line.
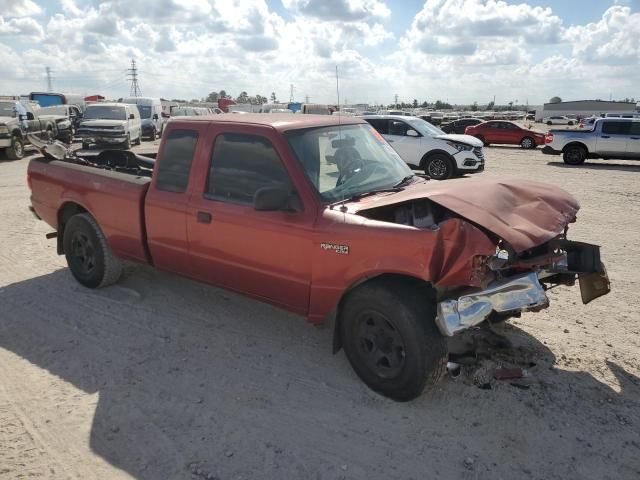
{"x":396,"y":97}
{"x":132,"y":74}
{"x":49,"y":80}
{"x":306,"y":98}
{"x":291,"y":93}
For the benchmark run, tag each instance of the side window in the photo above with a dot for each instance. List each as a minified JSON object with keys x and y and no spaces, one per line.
{"x":380,"y":124}
{"x":493,"y":125}
{"x":635,"y":128}
{"x":241,"y":165}
{"x":616,"y":128}
{"x":175,"y":164}
{"x":397,"y":127}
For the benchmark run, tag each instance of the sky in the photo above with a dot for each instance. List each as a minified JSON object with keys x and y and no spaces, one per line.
{"x":461,"y":51}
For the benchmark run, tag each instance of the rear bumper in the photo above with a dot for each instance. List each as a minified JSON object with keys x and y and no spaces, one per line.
{"x":516,"y":294}
{"x":548,"y":150}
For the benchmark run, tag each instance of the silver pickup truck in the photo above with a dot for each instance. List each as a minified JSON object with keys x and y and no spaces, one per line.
{"x":610,"y":138}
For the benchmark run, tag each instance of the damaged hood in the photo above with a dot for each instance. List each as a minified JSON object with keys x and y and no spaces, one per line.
{"x":524,"y":214}
{"x":460,"y":138}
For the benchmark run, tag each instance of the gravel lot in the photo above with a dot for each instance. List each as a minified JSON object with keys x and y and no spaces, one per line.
{"x":159,"y":377}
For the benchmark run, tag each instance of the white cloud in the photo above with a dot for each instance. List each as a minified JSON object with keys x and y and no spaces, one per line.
{"x":615,"y":39}
{"x":463,"y":50}
{"x":344,"y":10}
{"x":19,"y":8}
{"x":25,"y":28}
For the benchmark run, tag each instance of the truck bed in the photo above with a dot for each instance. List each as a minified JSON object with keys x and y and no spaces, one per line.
{"x":115,"y":199}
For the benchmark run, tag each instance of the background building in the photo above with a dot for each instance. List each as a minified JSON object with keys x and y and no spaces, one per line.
{"x":585,"y":108}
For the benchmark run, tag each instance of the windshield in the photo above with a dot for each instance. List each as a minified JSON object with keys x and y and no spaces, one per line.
{"x":7,"y":109}
{"x":425,"y":128}
{"x":343,"y":161}
{"x":145,"y":111}
{"x":53,"y":111}
{"x":103,"y":112}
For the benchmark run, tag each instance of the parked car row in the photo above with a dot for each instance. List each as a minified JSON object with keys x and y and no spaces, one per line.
{"x":18,"y":118}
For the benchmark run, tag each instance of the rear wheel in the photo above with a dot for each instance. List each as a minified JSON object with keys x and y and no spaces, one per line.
{"x":90,"y":259}
{"x":527,"y":142}
{"x":16,"y":150}
{"x":391,"y":340}
{"x":439,"y":167}
{"x":574,"y":155}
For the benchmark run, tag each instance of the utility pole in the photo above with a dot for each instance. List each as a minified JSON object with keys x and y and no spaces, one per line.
{"x":132,"y":74}
{"x":291,"y":93}
{"x":49,"y":80}
{"x":306,"y":99}
{"x":396,"y":101}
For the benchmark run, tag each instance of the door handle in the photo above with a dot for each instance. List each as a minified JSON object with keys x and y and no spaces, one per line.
{"x":204,"y":217}
{"x":605,"y":136}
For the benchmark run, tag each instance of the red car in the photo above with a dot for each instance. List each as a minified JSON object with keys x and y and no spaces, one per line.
{"x":499,"y":131}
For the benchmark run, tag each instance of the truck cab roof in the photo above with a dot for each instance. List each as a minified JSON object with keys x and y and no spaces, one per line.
{"x":279,"y":121}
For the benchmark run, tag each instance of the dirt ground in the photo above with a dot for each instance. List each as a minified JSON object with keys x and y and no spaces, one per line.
{"x":159,"y":377}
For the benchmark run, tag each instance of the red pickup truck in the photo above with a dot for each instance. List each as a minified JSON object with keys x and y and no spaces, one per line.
{"x":320,"y":216}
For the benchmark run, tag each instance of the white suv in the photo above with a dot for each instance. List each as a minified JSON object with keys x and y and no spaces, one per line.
{"x":422,"y":145}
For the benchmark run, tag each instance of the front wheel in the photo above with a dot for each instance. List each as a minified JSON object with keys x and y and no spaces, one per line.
{"x":549,"y":123}
{"x":390,"y":337}
{"x":127,"y":142}
{"x":16,"y":150}
{"x":439,"y":167}
{"x":90,"y":259}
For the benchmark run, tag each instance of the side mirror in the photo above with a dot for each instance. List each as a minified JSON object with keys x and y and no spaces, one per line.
{"x":131,"y":116}
{"x":412,"y":133}
{"x":155,"y":116}
{"x":270,"y":199}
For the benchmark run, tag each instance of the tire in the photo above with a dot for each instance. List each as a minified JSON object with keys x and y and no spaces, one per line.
{"x":139,"y":140}
{"x":91,"y":261}
{"x":439,"y":167}
{"x":571,"y":124}
{"x":527,"y":143}
{"x":127,"y":142}
{"x":16,"y":150}
{"x":574,"y":155}
{"x":390,"y":338}
{"x":86,"y":145}
{"x":549,"y":123}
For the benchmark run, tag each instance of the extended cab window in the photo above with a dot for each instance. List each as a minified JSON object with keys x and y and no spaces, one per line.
{"x":616,"y":128}
{"x":175,"y":164}
{"x":241,"y":165}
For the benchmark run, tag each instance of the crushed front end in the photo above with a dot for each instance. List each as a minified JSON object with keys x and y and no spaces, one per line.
{"x":517,"y":283}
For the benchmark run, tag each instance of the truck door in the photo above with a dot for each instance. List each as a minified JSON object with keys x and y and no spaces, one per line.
{"x":166,"y":203}
{"x":411,"y":148}
{"x":612,"y":138}
{"x":263,"y":254}
{"x":633,"y":144}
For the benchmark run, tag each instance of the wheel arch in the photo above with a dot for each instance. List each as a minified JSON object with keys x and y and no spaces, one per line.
{"x":397,"y":280}
{"x":66,"y":211}
{"x":435,"y":151}
{"x":575,"y":144}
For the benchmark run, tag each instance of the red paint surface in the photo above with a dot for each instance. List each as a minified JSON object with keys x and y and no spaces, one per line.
{"x":278,"y":256}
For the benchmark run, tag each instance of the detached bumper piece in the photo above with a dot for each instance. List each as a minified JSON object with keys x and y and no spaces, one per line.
{"x":584,"y":260}
{"x":516,"y":294}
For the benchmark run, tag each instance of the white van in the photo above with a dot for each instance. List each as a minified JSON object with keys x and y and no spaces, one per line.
{"x":151,"y":115}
